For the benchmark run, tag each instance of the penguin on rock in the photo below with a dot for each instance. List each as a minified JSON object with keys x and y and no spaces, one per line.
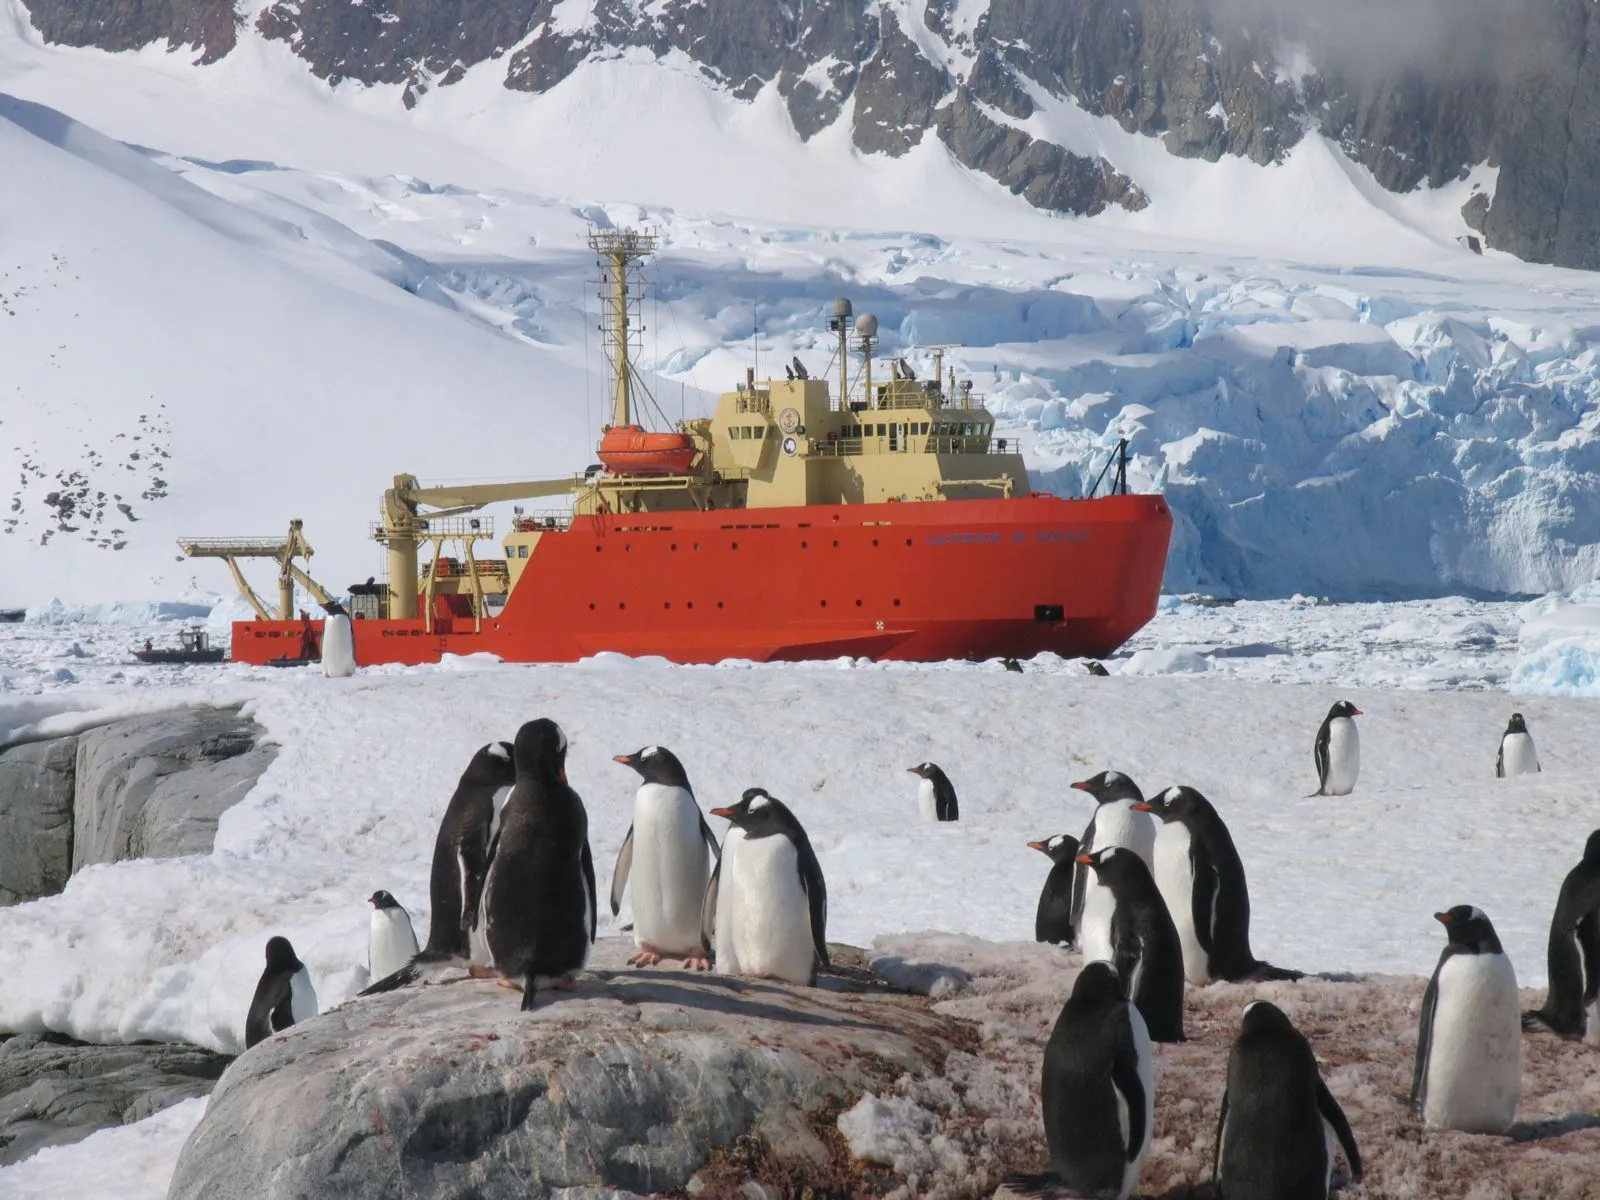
{"x":1279,"y":1123}
{"x":1337,"y":751}
{"x":461,"y":850}
{"x":936,"y":795}
{"x":666,"y":856}
{"x":1202,"y":880}
{"x":391,"y":942}
{"x":1572,"y":1004}
{"x":1053,"y":920}
{"x":538,"y":899}
{"x":1115,"y":823}
{"x":1144,"y":942}
{"x":284,"y":995}
{"x":1517,"y":755}
{"x":1468,"y":1068}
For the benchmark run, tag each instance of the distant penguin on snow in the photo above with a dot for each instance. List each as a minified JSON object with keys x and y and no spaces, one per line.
{"x":1468,"y":1068}
{"x":391,"y":942}
{"x":538,"y":900}
{"x":284,"y":996}
{"x":1338,"y":751}
{"x":1144,"y":943}
{"x":1202,"y":880}
{"x":1517,"y":755}
{"x":667,"y":856}
{"x":1279,"y":1123}
{"x":1115,"y":823}
{"x":766,"y":909}
{"x":461,"y":850}
{"x":936,"y":795}
{"x":1053,"y":921}
{"x":1098,"y":1091}
{"x":1572,"y":1005}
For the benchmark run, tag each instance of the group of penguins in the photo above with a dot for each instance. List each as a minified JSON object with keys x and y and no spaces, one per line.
{"x":1153,"y":894}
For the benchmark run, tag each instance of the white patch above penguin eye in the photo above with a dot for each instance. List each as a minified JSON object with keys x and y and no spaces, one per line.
{"x":650,"y":752}
{"x":757,"y":803}
{"x":1055,"y":842}
{"x":561,"y":735}
{"x":1477,"y":914}
{"x":498,"y":750}
{"x":1115,"y":777}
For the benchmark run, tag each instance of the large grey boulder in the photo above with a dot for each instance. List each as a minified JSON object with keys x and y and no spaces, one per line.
{"x":153,"y":786}
{"x":625,"y":1085}
{"x":54,"y":1090}
{"x":36,"y":785}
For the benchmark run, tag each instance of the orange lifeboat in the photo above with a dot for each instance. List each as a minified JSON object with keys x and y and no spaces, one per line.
{"x":632,"y":450}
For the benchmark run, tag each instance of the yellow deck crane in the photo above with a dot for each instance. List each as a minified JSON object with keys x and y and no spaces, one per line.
{"x":283,"y":550}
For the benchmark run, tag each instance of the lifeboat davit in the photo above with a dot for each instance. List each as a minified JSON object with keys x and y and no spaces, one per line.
{"x":632,"y":450}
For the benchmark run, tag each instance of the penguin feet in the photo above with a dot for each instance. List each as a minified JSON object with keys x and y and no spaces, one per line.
{"x":696,"y":962}
{"x":529,"y":990}
{"x":479,"y":971}
{"x":648,"y":956}
{"x":512,"y":984}
{"x":564,"y":983}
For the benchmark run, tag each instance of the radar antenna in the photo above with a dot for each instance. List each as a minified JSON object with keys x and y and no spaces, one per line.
{"x":620,"y":323}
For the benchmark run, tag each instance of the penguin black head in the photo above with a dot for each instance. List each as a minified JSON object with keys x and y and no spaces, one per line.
{"x":493,"y":765}
{"x":1181,"y":804}
{"x":1469,"y":930}
{"x":382,"y":899}
{"x":1262,"y":1016}
{"x":541,"y":750}
{"x":1110,"y":864}
{"x":1591,"y":848}
{"x":1343,"y":708}
{"x":927,"y":770}
{"x":656,"y":764}
{"x":758,"y":814}
{"x":1109,"y":786}
{"x":1517,"y":724}
{"x":1062,"y":848}
{"x":1097,"y":983}
{"x":281,"y":956}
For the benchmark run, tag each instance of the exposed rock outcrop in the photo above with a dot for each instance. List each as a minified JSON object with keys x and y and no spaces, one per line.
{"x":54,"y":1090}
{"x":36,"y":788}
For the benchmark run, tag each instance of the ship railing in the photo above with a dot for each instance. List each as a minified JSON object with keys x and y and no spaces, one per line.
{"x":542,"y":521}
{"x":243,"y":547}
{"x":930,"y":401}
{"x":454,"y":568}
{"x":754,"y":402}
{"x":443,"y":527}
{"x":914,"y":444}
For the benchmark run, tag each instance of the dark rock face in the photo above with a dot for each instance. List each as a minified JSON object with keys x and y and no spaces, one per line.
{"x":36,"y":787}
{"x":54,"y":1090}
{"x":210,"y":26}
{"x":153,"y":786}
{"x":897,"y":94}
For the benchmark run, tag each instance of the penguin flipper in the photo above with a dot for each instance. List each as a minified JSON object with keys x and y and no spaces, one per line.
{"x":1329,"y":1108}
{"x":394,"y":981}
{"x":1588,"y":937}
{"x":1222,"y":1124}
{"x":587,"y":859}
{"x":272,"y":998}
{"x":619,"y":873}
{"x":1125,"y":1078}
{"x":530,"y":989}
{"x":1500,"y":761}
{"x":816,"y":890}
{"x":708,"y":909}
{"x":1203,"y":896}
{"x":1080,"y":877}
{"x":1430,"y":1003}
{"x":710,"y":838}
{"x":1319,"y":752}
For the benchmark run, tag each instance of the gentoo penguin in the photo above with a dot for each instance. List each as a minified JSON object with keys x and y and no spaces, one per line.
{"x":1468,"y":1068}
{"x":461,"y":850}
{"x":1145,"y":946}
{"x":667,"y":854}
{"x":1115,"y":823}
{"x":1572,"y":1005}
{"x":1053,"y":921}
{"x":538,"y":899}
{"x":1279,"y":1122}
{"x":936,"y":795}
{"x":1202,"y":880}
{"x":1098,"y":1093}
{"x":1338,"y":751}
{"x":766,"y":908}
{"x":338,"y":644}
{"x":391,"y":944}
{"x":1517,"y":755}
{"x":284,"y":996}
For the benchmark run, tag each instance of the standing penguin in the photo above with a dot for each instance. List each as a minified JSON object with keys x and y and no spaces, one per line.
{"x":1517,"y":755}
{"x":1202,"y":880}
{"x":766,"y":907}
{"x":1572,"y":1005}
{"x":1469,"y":1047}
{"x":391,"y":943}
{"x":1279,"y":1122}
{"x":461,"y":850}
{"x":538,"y":900}
{"x":1053,"y":921}
{"x":1115,"y":823}
{"x":1098,"y":1091}
{"x":667,"y":853}
{"x":1338,"y":751}
{"x":1145,"y":946}
{"x":284,"y":996}
{"x":936,"y":795}
{"x":338,"y":643}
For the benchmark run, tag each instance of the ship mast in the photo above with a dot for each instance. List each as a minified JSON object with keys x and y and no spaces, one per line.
{"x":619,"y":309}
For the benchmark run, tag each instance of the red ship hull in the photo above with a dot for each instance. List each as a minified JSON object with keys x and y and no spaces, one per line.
{"x":920,"y":582}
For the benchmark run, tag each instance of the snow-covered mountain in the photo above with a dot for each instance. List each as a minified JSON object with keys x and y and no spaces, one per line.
{"x":279,"y":291}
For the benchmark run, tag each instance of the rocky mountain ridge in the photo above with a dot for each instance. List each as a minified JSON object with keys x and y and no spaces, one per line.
{"x":1510,"y":85}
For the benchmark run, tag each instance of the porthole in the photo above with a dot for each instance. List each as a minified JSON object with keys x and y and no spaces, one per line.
{"x":858,"y":604}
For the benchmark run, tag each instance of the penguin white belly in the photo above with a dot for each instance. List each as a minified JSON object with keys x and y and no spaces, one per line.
{"x":1517,"y":755}
{"x":768,"y":920}
{"x":1119,"y":824}
{"x":1591,"y":1024}
{"x":1474,"y":1070}
{"x":668,"y":876}
{"x":478,"y":951}
{"x":302,"y":996}
{"x":391,"y":943}
{"x":727,"y":952}
{"x":1344,"y":757}
{"x":1175,"y":879}
{"x":1094,"y":923}
{"x":1142,"y":1049}
{"x":927,"y":801}
{"x":338,"y":647}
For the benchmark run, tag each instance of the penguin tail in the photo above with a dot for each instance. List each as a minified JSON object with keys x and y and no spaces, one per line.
{"x":1537,"y":1022}
{"x":530,"y":989}
{"x":1267,"y":973}
{"x":406,"y":975}
{"x":1040,"y":1185}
